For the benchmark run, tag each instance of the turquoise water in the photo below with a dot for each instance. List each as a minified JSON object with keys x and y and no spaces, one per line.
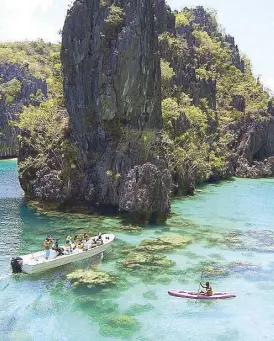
{"x":232,"y":245}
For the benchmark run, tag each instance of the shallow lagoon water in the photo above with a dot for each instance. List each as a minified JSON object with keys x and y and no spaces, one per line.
{"x":232,"y":233}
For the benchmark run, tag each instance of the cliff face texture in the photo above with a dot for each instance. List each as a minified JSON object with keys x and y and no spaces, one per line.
{"x":17,"y":86}
{"x":113,"y":96}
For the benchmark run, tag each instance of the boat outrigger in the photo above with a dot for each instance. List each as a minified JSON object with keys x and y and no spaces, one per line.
{"x":36,"y":262}
{"x":198,"y":296}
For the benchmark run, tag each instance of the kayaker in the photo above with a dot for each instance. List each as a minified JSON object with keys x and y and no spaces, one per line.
{"x":208,"y":291}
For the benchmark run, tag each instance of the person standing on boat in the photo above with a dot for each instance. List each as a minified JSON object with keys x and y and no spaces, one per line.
{"x":47,"y":247}
{"x":208,"y":291}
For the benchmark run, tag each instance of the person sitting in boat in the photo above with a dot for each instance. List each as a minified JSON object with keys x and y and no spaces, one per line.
{"x":86,"y":236}
{"x":75,"y":242}
{"x":93,"y":242}
{"x":99,"y":239}
{"x":68,"y":244}
{"x":208,"y":291}
{"x":47,"y":247}
{"x":85,"y":245}
{"x":57,"y":248}
{"x":80,"y":245}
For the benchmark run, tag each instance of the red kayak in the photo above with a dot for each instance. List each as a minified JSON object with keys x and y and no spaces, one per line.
{"x":197,"y":296}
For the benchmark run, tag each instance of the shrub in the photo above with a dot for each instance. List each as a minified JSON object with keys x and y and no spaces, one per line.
{"x":181,"y":20}
{"x":11,"y":89}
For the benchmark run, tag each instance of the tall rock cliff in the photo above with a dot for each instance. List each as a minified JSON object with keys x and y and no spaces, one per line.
{"x":17,"y":88}
{"x":113,"y":97}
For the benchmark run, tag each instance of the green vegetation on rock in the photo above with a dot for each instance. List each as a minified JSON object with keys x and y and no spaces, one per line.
{"x":212,"y":88}
{"x":181,"y":20}
{"x":40,"y":58}
{"x":11,"y":89}
{"x":114,"y":21}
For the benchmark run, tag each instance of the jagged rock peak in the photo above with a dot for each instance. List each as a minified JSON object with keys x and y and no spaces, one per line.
{"x":112,"y":92}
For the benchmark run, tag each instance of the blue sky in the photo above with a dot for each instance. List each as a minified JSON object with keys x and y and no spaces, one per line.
{"x":251,"y":22}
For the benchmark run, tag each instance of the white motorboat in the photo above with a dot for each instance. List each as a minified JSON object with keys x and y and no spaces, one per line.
{"x":37,"y":262}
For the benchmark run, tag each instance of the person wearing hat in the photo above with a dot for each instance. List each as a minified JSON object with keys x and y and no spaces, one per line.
{"x":68,"y":244}
{"x":86,"y":236}
{"x":47,"y":247}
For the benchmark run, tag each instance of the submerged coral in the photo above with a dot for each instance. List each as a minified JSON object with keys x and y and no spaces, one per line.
{"x":137,"y":260}
{"x":91,"y":278}
{"x":243,"y":267}
{"x":120,"y":326}
{"x":137,"y":309}
{"x":150,"y":295}
{"x":233,"y":241}
{"x":166,"y":243}
{"x":143,"y":256}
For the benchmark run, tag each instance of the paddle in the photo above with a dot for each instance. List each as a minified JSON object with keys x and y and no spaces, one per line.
{"x":200,"y":283}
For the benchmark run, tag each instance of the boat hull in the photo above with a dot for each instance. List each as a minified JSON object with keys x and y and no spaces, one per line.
{"x":195,"y":296}
{"x":35,"y":263}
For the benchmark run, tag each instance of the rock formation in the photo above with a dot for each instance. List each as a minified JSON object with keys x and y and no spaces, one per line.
{"x":11,"y":105}
{"x":113,"y":96}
